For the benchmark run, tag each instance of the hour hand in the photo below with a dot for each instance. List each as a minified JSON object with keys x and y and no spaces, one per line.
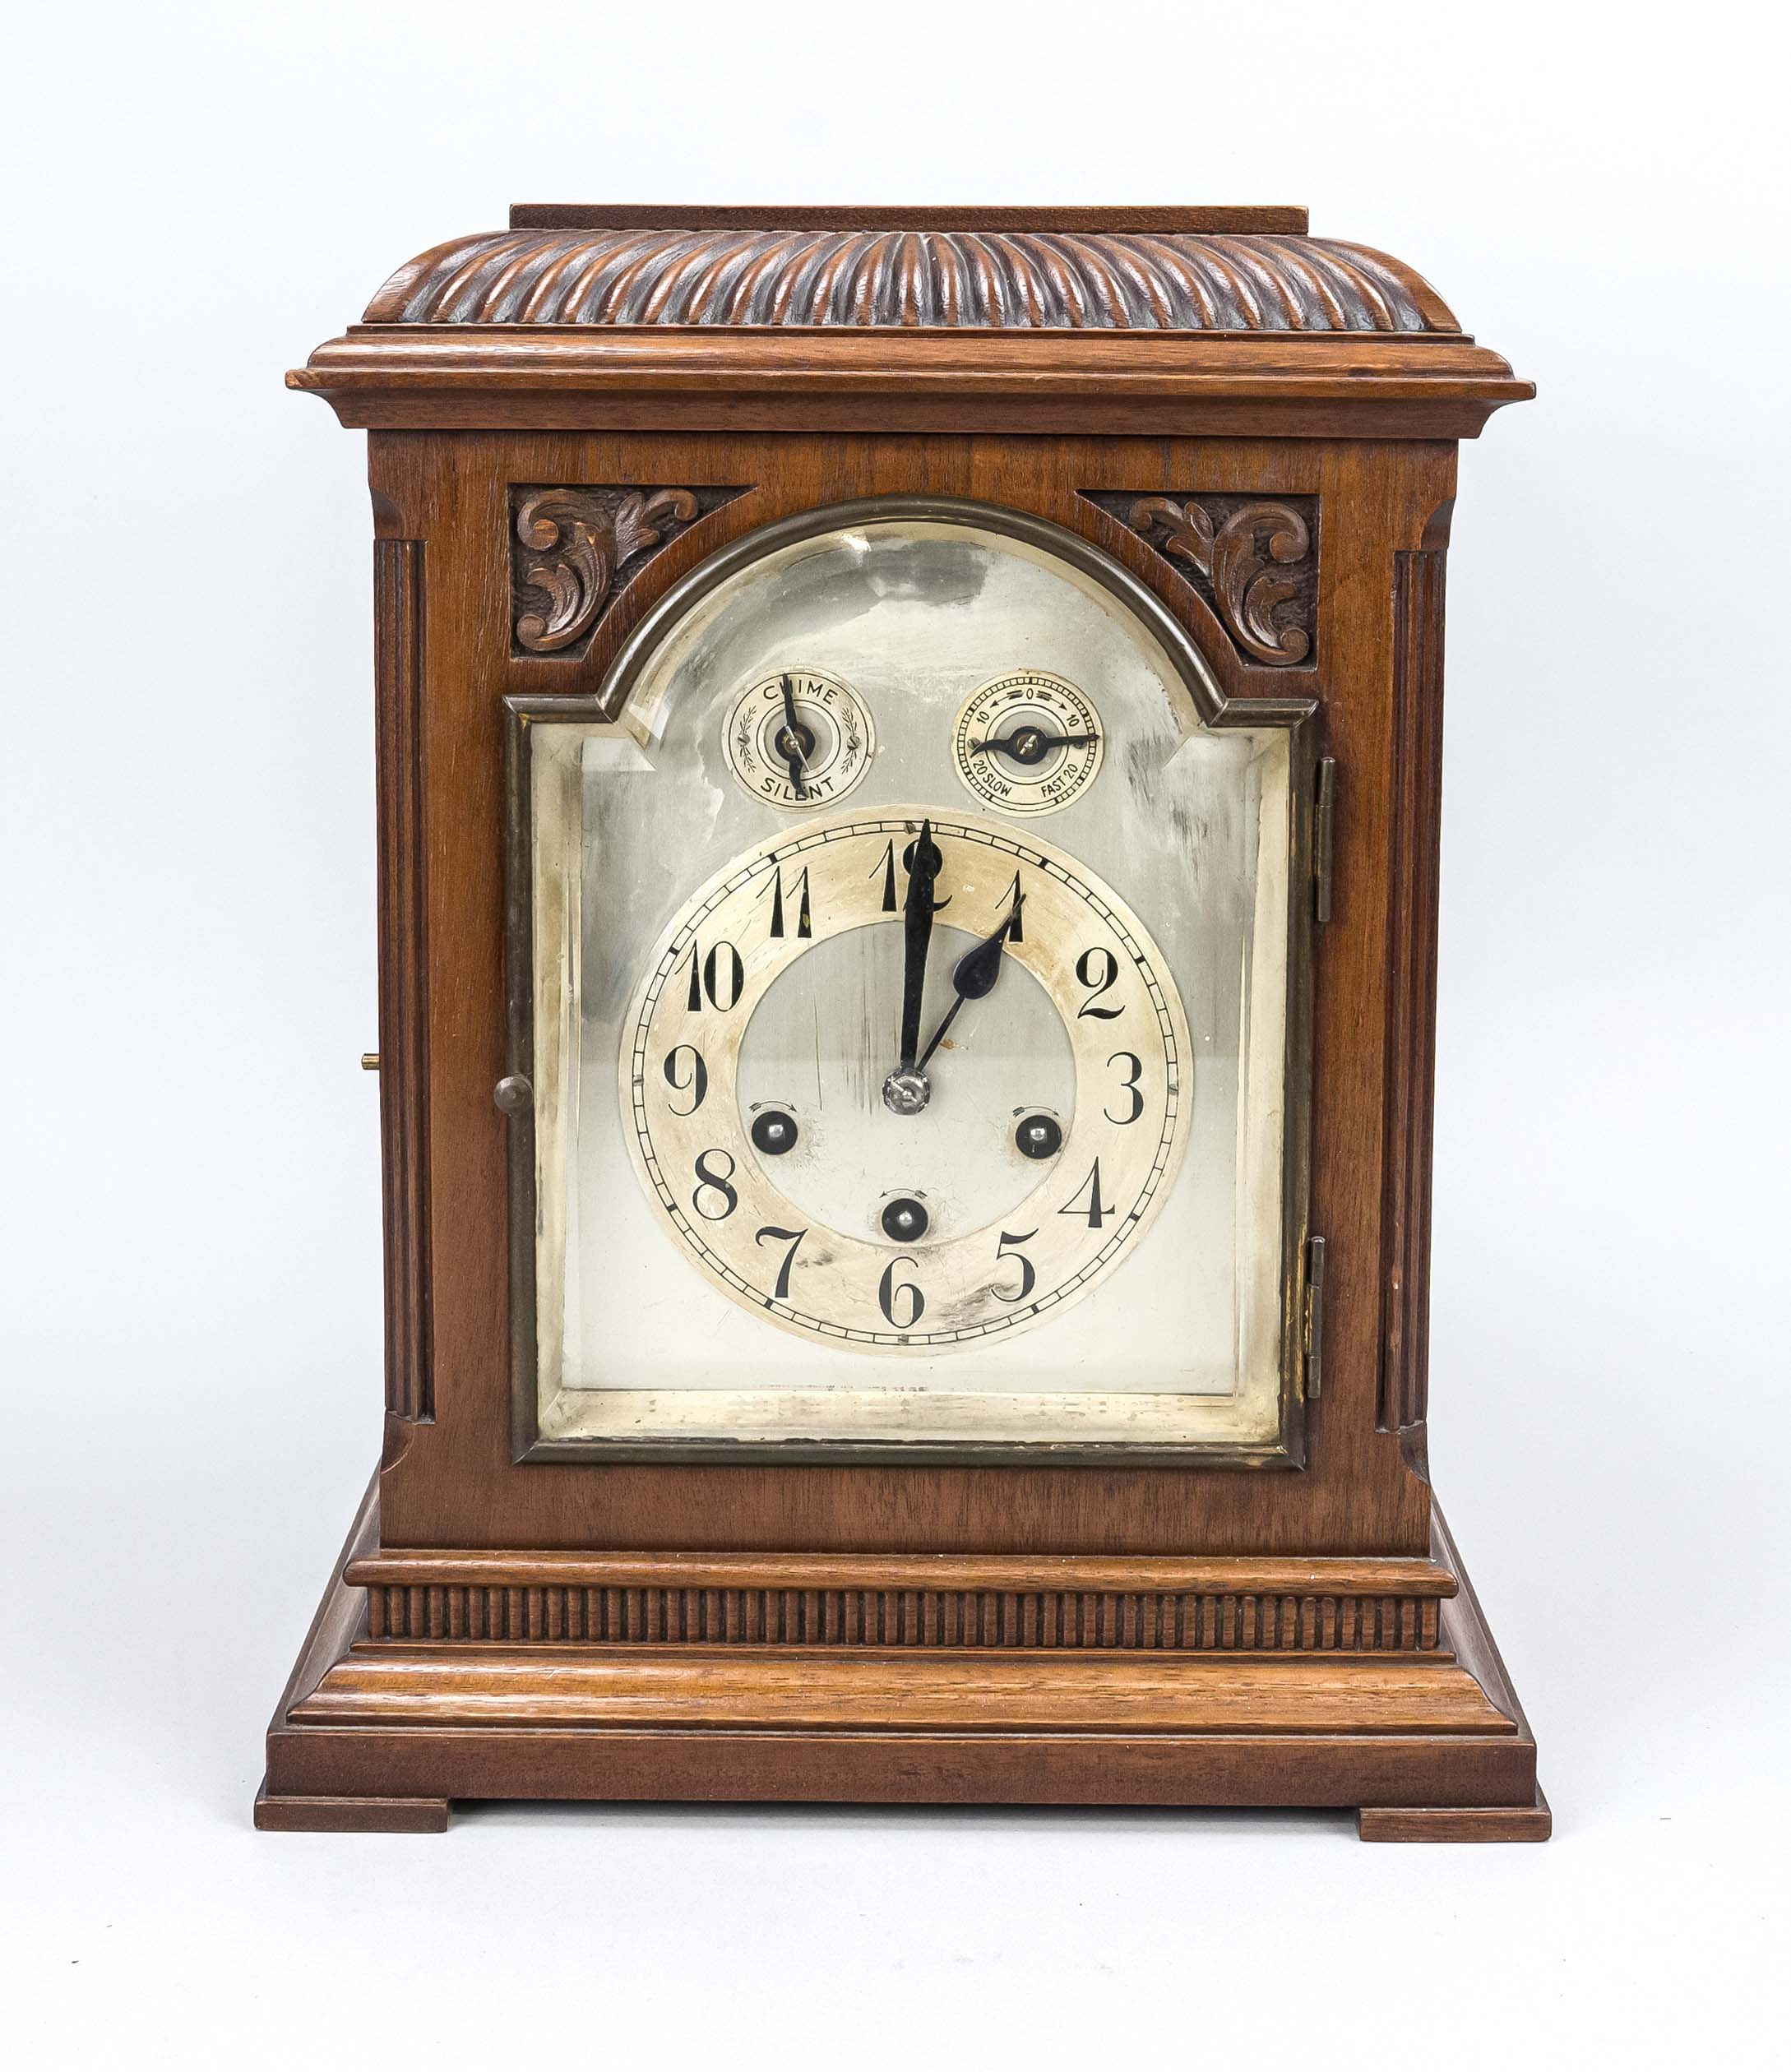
{"x":975,"y":975}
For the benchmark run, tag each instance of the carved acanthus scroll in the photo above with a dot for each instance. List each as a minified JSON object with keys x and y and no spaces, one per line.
{"x":1254,"y":560}
{"x":582,"y":544}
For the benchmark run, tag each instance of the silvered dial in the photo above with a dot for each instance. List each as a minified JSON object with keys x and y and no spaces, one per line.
{"x":904,"y":1081}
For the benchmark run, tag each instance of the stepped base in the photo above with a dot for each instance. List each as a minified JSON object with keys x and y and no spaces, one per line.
{"x":1422,"y":1736}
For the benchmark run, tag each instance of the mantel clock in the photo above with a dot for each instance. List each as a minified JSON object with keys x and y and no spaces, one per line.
{"x":908,"y":796}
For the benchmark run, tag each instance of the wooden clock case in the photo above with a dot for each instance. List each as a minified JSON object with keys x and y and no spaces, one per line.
{"x":566,"y":419}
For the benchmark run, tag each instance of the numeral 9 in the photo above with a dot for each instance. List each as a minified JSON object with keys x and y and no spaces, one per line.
{"x":696,"y":1085}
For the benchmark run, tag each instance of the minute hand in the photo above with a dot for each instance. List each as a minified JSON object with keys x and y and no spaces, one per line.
{"x":925,"y":863}
{"x":975,"y":975}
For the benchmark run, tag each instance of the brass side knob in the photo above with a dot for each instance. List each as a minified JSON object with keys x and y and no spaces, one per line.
{"x":369,"y":1060}
{"x":513,"y":1095}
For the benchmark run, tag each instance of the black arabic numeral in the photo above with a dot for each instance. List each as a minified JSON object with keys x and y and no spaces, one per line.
{"x":714,"y":970}
{"x":1098,"y":967}
{"x":1129,"y":1084}
{"x":714,"y":1180}
{"x":890,"y":1288}
{"x":720,"y":972}
{"x":804,"y":926}
{"x":1029,"y":1280}
{"x":1017,"y":933}
{"x":938,"y":856}
{"x":1094,"y":1209}
{"x":696,"y":1085}
{"x":794,"y":1239}
{"x":887,"y":867}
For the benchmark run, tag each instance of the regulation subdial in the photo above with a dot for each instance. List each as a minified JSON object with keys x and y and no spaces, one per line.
{"x":1028,"y":743}
{"x":799,"y":738}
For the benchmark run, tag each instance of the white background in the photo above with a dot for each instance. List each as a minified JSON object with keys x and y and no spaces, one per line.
{"x":197,"y":195}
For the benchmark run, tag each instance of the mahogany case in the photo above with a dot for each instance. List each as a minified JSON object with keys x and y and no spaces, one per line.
{"x":1169,"y":1633}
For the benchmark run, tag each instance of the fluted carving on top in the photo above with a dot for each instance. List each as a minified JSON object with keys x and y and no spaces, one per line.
{"x":871,"y":279}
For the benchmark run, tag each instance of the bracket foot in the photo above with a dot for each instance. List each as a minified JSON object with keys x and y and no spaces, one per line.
{"x":1532,"y":1823}
{"x":280,"y":1813}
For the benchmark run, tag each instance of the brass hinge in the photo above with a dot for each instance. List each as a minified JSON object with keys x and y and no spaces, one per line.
{"x":1315,"y":1317}
{"x":1324,"y":834}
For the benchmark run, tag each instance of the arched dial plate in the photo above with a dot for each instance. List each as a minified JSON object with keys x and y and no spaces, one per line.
{"x":799,"y":738}
{"x":1028,"y":743}
{"x":774,"y":992}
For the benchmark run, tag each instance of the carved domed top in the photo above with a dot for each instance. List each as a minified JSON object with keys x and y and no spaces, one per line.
{"x":752,"y":275}
{"x":1137,"y":322}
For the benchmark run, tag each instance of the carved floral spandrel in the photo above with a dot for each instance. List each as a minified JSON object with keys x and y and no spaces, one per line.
{"x":581,"y":541}
{"x":1254,"y":560}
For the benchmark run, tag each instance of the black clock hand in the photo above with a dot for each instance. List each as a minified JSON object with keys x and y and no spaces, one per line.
{"x":1027,"y":744}
{"x":925,"y":863}
{"x":975,"y":975}
{"x":795,"y":740}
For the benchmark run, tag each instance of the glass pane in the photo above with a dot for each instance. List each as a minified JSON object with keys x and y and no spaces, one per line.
{"x":908,"y":774}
